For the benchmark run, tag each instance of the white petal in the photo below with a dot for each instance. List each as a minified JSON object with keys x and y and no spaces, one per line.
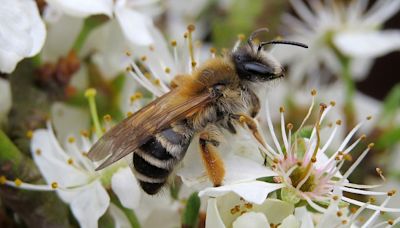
{"x":90,"y":205}
{"x":68,"y":120}
{"x":252,"y":191}
{"x":62,"y":31}
{"x":213,"y":218}
{"x":275,"y":210}
{"x":22,"y":32}
{"x":134,"y":25}
{"x":126,"y":187}
{"x":5,"y":99}
{"x":120,"y":219}
{"x":85,"y":8}
{"x":304,"y":217}
{"x":251,"y":219}
{"x":290,"y":222}
{"x":368,"y":44}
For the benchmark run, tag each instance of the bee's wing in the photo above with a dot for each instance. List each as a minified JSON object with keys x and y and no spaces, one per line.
{"x":135,"y":130}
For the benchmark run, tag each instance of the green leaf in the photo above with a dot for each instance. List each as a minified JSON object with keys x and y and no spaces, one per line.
{"x":191,"y":213}
{"x":389,"y":139}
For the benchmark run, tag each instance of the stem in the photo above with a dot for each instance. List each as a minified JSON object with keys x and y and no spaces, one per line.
{"x":9,"y":152}
{"x":349,"y":92}
{"x":89,"y":24}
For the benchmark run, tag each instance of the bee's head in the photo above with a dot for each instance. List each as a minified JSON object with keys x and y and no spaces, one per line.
{"x":254,"y":64}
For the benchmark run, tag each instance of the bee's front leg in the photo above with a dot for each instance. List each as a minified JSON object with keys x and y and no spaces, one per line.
{"x":252,"y":125}
{"x":208,"y":141}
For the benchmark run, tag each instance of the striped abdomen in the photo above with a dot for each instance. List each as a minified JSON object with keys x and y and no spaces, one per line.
{"x":155,"y":159}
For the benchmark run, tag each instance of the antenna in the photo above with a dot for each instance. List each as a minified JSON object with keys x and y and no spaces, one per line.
{"x":294,"y":43}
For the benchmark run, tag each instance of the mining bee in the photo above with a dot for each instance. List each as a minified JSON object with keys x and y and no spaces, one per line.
{"x":219,"y":94}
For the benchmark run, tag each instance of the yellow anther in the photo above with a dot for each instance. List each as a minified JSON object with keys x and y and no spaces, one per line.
{"x":138,"y":95}
{"x":369,"y":117}
{"x":3,"y":179}
{"x":335,"y":197}
{"x":167,"y":70}
{"x":38,"y":151}
{"x":71,"y":139}
{"x":276,"y":161}
{"x":281,"y":109}
{"x":248,"y":205}
{"x":54,"y":185}
{"x":339,"y":122}
{"x":191,"y":28}
{"x":107,"y":118}
{"x":91,"y":92}
{"x":371,"y":145}
{"x":330,"y":124}
{"x":348,"y":157}
{"x":143,"y":58}
{"x":129,"y":114}
{"x":128,"y":68}
{"x":70,"y":161}
{"x":157,"y":82}
{"x":363,"y":137}
{"x":185,"y":35}
{"x":84,"y":153}
{"x":313,"y":92}
{"x":173,"y":43}
{"x":333,"y":103}
{"x":29,"y":134}
{"x":392,"y":192}
{"x":147,"y":75}
{"x":390,"y":222}
{"x":289,"y":126}
{"x":194,"y":63}
{"x":241,"y":37}
{"x":372,"y":200}
{"x":339,"y":213}
{"x":213,"y":50}
{"x":344,"y":222}
{"x":18,"y":182}
{"x":85,"y":133}
{"x":313,"y":159}
{"x":128,"y":53}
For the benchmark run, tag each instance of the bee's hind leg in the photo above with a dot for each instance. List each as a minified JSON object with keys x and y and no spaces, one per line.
{"x":209,"y":139}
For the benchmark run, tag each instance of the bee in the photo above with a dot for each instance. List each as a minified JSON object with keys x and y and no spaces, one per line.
{"x":219,"y":94}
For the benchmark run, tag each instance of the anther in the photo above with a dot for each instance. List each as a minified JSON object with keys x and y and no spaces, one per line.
{"x":85,"y":133}
{"x":338,"y":122}
{"x":248,"y":205}
{"x":71,"y":139}
{"x":143,"y":58}
{"x":390,"y":222}
{"x":29,"y":134}
{"x":147,"y":75}
{"x":392,"y":192}
{"x":363,"y":137}
{"x":128,"y":69}
{"x":107,"y":118}
{"x":128,"y":53}
{"x":54,"y":185}
{"x":151,"y":48}
{"x":289,"y":126}
{"x":185,"y":35}
{"x":157,"y":82}
{"x":371,"y":145}
{"x":70,"y":161}
{"x":241,"y":37}
{"x":191,"y":28}
{"x":313,"y":92}
{"x":167,"y":70}
{"x":344,"y":222}
{"x":372,"y":200}
{"x":348,"y":157}
{"x":333,"y":103}
{"x":129,"y":114}
{"x":369,"y":117}
{"x":277,"y":179}
{"x":339,"y":213}
{"x":299,"y":163}
{"x":173,"y":43}
{"x":276,"y":161}
{"x":17,"y":182}
{"x":194,"y":64}
{"x":84,"y":153}
{"x":313,"y":159}
{"x":38,"y":152}
{"x":335,"y":197}
{"x":91,"y":92}
{"x":281,"y":109}
{"x":3,"y":180}
{"x":213,"y":50}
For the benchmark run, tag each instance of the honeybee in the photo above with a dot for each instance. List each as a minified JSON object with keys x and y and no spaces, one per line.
{"x":220,"y":94}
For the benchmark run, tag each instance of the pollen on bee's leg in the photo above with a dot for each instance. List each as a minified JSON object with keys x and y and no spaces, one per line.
{"x":211,"y":160}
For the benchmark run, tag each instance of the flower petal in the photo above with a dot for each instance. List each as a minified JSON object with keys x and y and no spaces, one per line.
{"x":90,"y":204}
{"x":213,"y":218}
{"x":134,"y":24}
{"x":290,"y":222}
{"x":126,"y":187}
{"x":368,"y":44}
{"x":252,"y":191}
{"x":251,"y":219}
{"x":22,"y":32}
{"x":85,"y":8}
{"x":305,"y":217}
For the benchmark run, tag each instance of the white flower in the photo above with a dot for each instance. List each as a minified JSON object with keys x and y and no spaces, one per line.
{"x":331,"y":27}
{"x":304,"y":171}
{"x":231,"y":211}
{"x":134,"y":23}
{"x":22,"y":32}
{"x":72,"y":174}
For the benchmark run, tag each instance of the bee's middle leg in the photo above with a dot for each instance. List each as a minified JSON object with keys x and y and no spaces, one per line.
{"x":209,"y":139}
{"x":252,"y":125}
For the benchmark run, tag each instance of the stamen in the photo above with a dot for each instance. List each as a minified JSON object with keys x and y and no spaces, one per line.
{"x":29,"y":134}
{"x":380,"y":173}
{"x":213,"y":51}
{"x":376,"y":213}
{"x":283,"y":131}
{"x":271,"y":130}
{"x":313,"y":94}
{"x":90,"y":95}
{"x":190,"y":29}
